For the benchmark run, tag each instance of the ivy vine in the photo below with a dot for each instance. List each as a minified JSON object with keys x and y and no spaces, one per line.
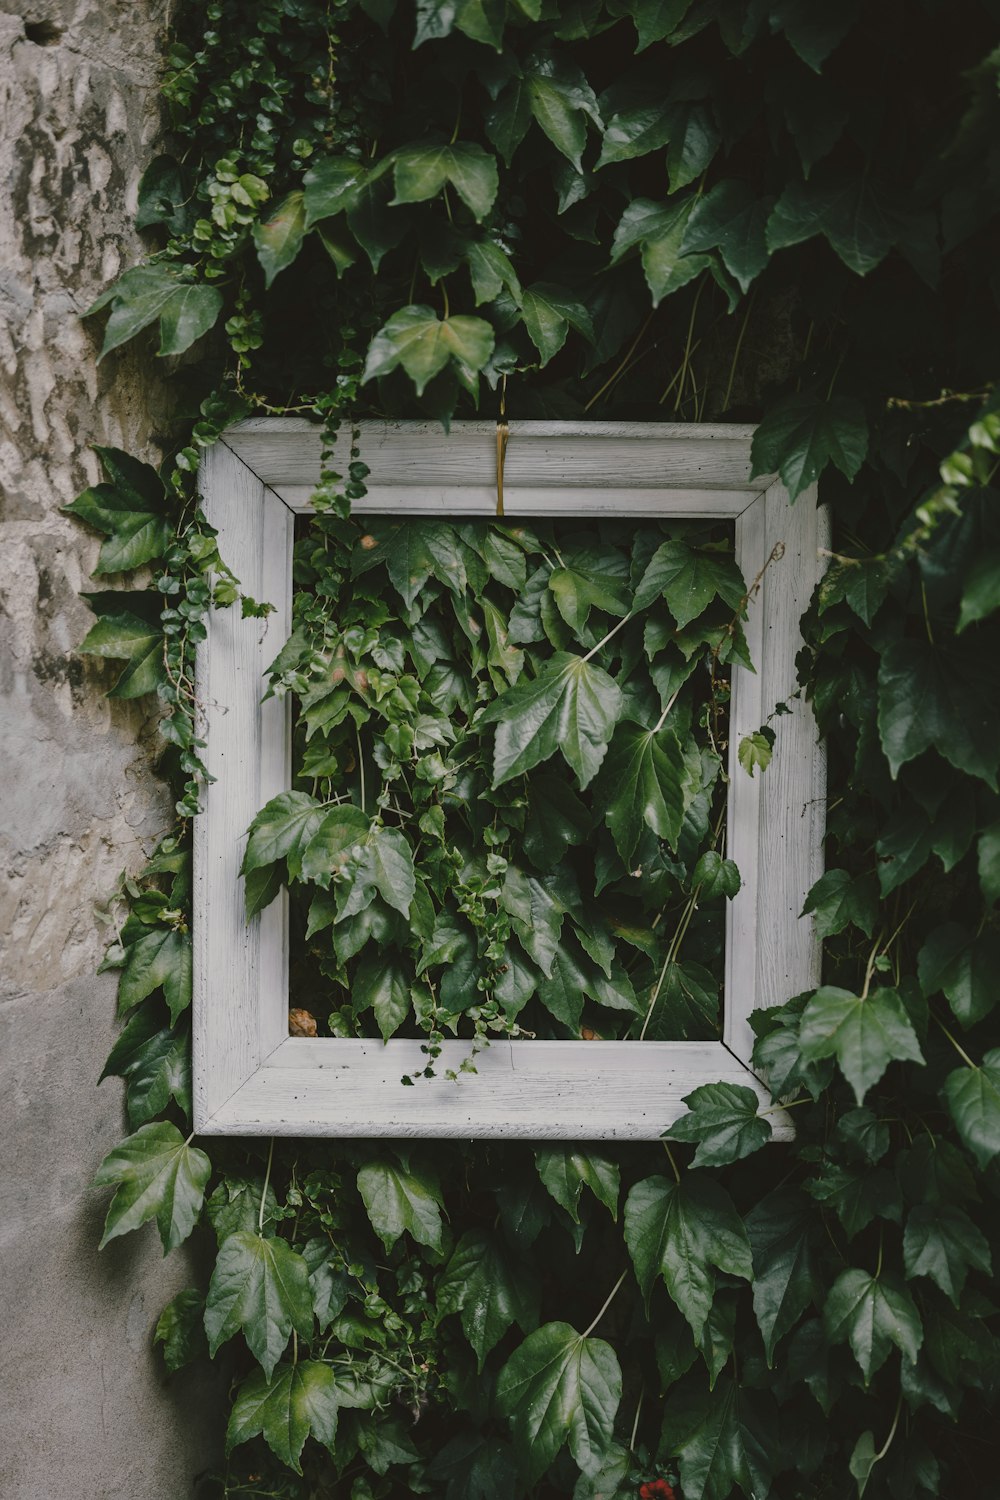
{"x":780,"y":212}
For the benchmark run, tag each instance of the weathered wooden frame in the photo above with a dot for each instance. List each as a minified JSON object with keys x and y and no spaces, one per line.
{"x":251,"y":1077}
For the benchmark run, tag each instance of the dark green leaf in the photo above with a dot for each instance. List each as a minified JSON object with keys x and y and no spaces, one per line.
{"x":872,"y":1313}
{"x":973,"y":1099}
{"x":571,"y":707}
{"x":723,"y":1118}
{"x":645,"y":783}
{"x":659,"y":229}
{"x":421,"y":172}
{"x":549,"y":312}
{"x":865,"y":1035}
{"x":963,"y":967}
{"x":840,"y":901}
{"x":682,"y":1232}
{"x":259,"y":1286}
{"x":180,"y":1329}
{"x":158,"y":1175}
{"x":299,"y":1400}
{"x":560,"y":1388}
{"x":490,"y":1294}
{"x":566,"y":1172}
{"x":121,"y":635}
{"x":720,"y":1441}
{"x":398,"y":1199}
{"x":944,"y":1244}
{"x":786,"y":1277}
{"x":688,"y":581}
{"x":802,"y":433}
{"x":279,"y":237}
{"x":731,"y":219}
{"x":161,"y":958}
{"x":931,"y":697}
{"x":416,"y":338}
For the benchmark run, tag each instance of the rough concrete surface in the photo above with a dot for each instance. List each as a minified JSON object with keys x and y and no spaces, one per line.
{"x":86,"y":1411}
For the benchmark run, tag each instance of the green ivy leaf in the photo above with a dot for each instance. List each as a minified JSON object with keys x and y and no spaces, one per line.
{"x":635,"y":131}
{"x":682,"y":1231}
{"x":802,"y":433}
{"x":570,"y":706}
{"x":549,"y":312}
{"x":723,"y":1118}
{"x":491,"y":271}
{"x":121,"y":634}
{"x":840,"y":901}
{"x":566,"y":1172}
{"x":133,"y":511}
{"x":383,"y":864}
{"x":814,"y":33}
{"x":852,"y":213}
{"x":659,"y":229}
{"x":694,"y":140}
{"x":973,"y":1099}
{"x":932,"y":697}
{"x":688,"y":581}
{"x":416,"y":338}
{"x":331,"y":186}
{"x":654,"y":19}
{"x":161,"y":958}
{"x":422,"y":171}
{"x":561,"y":101}
{"x":755,"y":750}
{"x":481,"y":1285}
{"x":381,"y":984}
{"x":988,"y":861}
{"x":645,"y":783}
{"x":558,"y":1388}
{"x":865,"y":1035}
{"x":963,"y":967}
{"x":786,"y":1279}
{"x":259,"y":1286}
{"x":944,"y":1244}
{"x":399,"y":1199}
{"x":981,"y":590}
{"x":158,"y":1175}
{"x":279,"y":237}
{"x":325,"y":846}
{"x":282,"y":830}
{"x":731,"y":219}
{"x":721,"y":1442}
{"x":155,"y":1062}
{"x":180,"y":1329}
{"x":872,"y":1313}
{"x":302,"y":1399}
{"x":147,"y":294}
{"x":715,"y":876}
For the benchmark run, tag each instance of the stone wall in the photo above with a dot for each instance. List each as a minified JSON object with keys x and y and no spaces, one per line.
{"x":87,"y":1412}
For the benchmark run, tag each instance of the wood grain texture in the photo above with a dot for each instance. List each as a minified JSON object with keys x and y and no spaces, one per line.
{"x":250,"y":1078}
{"x":569,"y":455}
{"x":247,"y":754}
{"x":521,"y":1090}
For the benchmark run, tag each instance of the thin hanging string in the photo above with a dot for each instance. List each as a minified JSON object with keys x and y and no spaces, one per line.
{"x":503,"y":436}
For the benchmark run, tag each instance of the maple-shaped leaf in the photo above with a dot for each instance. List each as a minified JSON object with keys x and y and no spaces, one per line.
{"x":943,"y":1243}
{"x":259,"y":1286}
{"x":128,"y":629}
{"x":724,"y":1119}
{"x":722,"y":1440}
{"x":133,"y":510}
{"x":560,"y":1387}
{"x":684,"y":1231}
{"x":932,"y":697}
{"x":157,"y":1175}
{"x":802,"y":433}
{"x":645,"y":783}
{"x":297,"y":1400}
{"x":872,"y":1313}
{"x":488,"y":1292}
{"x":973,"y":1098}
{"x":731,"y":218}
{"x":570,"y":706}
{"x":399,"y":1199}
{"x":422,"y":171}
{"x":786,"y":1263}
{"x":282,"y":830}
{"x":416,"y":338}
{"x":566,"y":1171}
{"x":864,"y":1034}
{"x":688,"y":580}
{"x":659,"y":230}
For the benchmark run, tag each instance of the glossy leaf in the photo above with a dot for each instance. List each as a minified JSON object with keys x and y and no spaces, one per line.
{"x":299,"y":1400}
{"x":489,"y":1292}
{"x":872,"y":1314}
{"x":566,"y":1172}
{"x":570,"y":706}
{"x":560,"y":1388}
{"x":259,"y":1287}
{"x":279,"y":237}
{"x":865,"y":1035}
{"x":930,"y":698}
{"x":399,"y":1200}
{"x":803,"y":433}
{"x":724,"y":1119}
{"x":421,"y":172}
{"x":973,"y":1099}
{"x":424,"y":344}
{"x":684,"y":1232}
{"x":156,"y":1175}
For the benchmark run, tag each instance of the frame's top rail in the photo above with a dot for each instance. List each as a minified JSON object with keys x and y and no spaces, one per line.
{"x":285,"y":454}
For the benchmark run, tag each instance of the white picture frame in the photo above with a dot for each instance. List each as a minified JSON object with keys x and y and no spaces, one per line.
{"x":250,"y":1076}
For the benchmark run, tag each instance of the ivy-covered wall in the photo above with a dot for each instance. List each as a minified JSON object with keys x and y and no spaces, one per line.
{"x":78,"y":118}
